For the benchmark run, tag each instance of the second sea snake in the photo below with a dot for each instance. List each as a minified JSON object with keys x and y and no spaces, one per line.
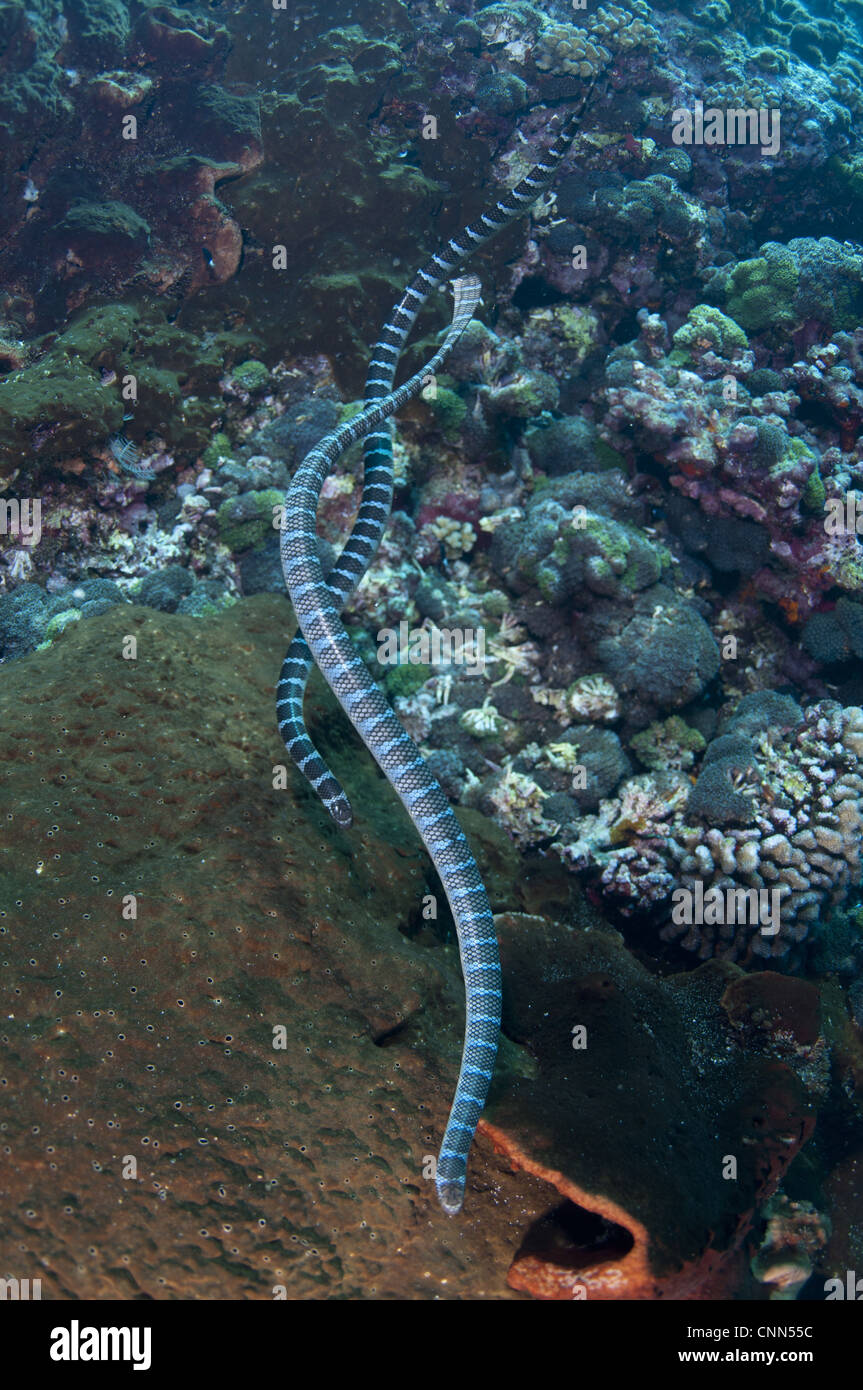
{"x":477,"y":940}
{"x":377,"y":495}
{"x":400,"y":759}
{"x":398,"y":756}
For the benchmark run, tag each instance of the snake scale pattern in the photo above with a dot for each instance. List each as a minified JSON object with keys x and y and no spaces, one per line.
{"x":318,"y":599}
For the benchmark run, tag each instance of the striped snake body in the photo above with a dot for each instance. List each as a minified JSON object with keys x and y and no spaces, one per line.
{"x":318,"y":600}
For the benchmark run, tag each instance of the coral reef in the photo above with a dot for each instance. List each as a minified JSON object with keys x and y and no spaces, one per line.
{"x":640,"y":480}
{"x":771,"y":831}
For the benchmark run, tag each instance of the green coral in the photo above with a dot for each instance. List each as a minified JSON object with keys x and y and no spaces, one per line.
{"x":668,"y":743}
{"x":449,"y":410}
{"x":60,"y":621}
{"x":570,"y":327}
{"x":760,"y":292}
{"x":707,"y":329}
{"x":578,"y":327}
{"x":218,"y":448}
{"x":654,"y":206}
{"x":246,"y":522}
{"x":814,"y":493}
{"x":617,"y":559}
{"x":405,"y":680}
{"x":786,"y":286}
{"x":250,"y":376}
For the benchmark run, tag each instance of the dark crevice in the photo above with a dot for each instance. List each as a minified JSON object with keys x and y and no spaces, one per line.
{"x":571,"y":1237}
{"x":626,"y":329}
{"x":536,"y":293}
{"x":390,"y":1035}
{"x":816,"y":414}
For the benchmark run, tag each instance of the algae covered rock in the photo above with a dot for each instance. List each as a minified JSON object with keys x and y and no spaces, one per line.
{"x":561,"y":551}
{"x":104,"y":226}
{"x":67,"y":396}
{"x":311,"y":1035}
{"x":246,"y":522}
{"x":162,"y":788}
{"x":165,"y":588}
{"x":564,"y":445}
{"x":786,"y":285}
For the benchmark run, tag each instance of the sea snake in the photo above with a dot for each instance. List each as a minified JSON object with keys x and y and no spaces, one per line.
{"x":318,"y":600}
{"x":377,"y":495}
{"x":400,"y":759}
